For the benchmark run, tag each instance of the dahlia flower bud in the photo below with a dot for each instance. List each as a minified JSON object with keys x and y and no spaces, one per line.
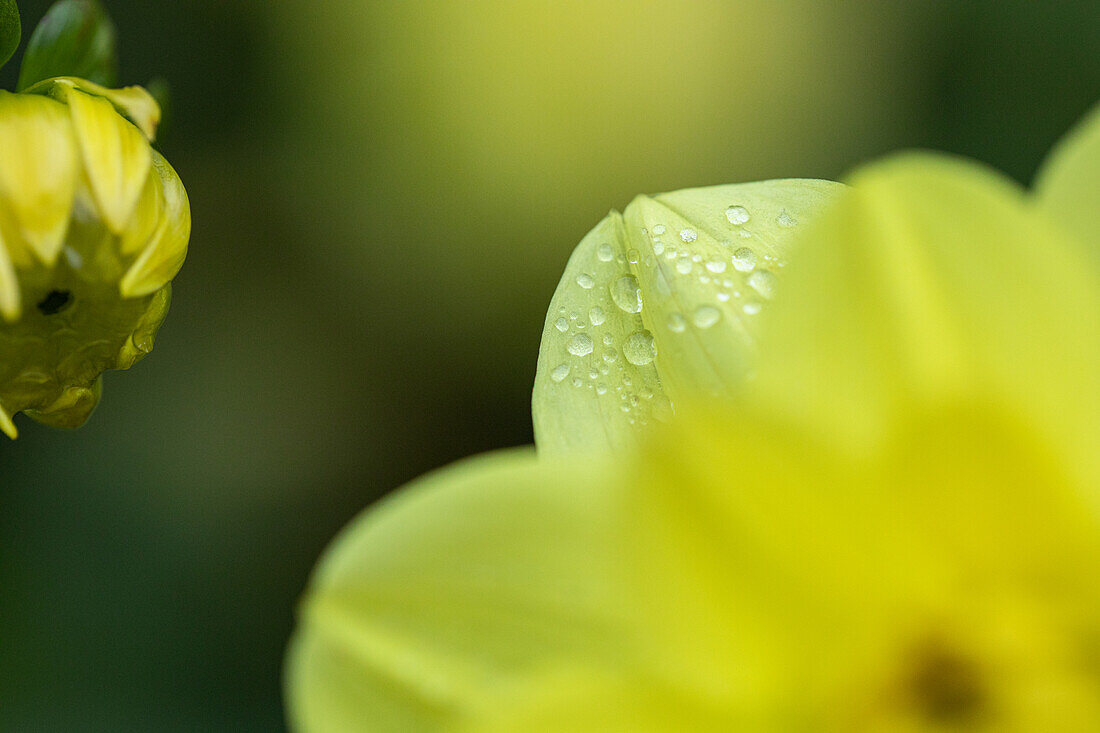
{"x":94,"y":224}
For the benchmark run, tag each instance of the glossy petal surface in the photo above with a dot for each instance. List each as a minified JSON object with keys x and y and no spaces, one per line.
{"x":660,"y":302}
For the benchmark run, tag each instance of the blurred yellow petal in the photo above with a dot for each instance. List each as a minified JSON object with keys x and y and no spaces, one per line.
{"x":438,"y":600}
{"x":660,"y":302}
{"x":166,"y":249}
{"x":38,"y":174}
{"x":1068,"y":185}
{"x":134,"y":103}
{"x":117,"y":157}
{"x":935,"y":278}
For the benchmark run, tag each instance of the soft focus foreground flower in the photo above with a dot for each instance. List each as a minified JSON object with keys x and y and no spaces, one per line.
{"x":894,"y":527}
{"x":661,"y":302}
{"x":94,"y":224}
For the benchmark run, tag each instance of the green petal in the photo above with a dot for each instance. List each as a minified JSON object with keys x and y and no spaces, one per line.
{"x":936,"y":281}
{"x":75,"y":38}
{"x":430,"y":606}
{"x":10,"y":30}
{"x":661,"y":302}
{"x":1068,"y":185}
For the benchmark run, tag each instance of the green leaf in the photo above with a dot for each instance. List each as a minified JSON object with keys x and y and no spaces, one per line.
{"x":1068,"y":185}
{"x":75,"y":38}
{"x":10,"y":30}
{"x":660,"y":302}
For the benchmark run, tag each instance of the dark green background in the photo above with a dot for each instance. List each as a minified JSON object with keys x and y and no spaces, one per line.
{"x":363,"y":302}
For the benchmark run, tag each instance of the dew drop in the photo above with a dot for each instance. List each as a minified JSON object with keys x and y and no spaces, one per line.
{"x":597,"y":316}
{"x":578,"y":382}
{"x":633,"y":256}
{"x":627,"y":295}
{"x":585,"y":281}
{"x":580,"y":345}
{"x":688,"y":235}
{"x":601,"y":388}
{"x":744,"y":260}
{"x":737,"y":215}
{"x":658,"y":247}
{"x":561,"y":371}
{"x":608,"y":339}
{"x":610,"y":356}
{"x":562,"y":325}
{"x":763,"y":282}
{"x":706,"y":316}
{"x":785,"y":220}
{"x":640,"y":348}
{"x":717,"y":266}
{"x":659,"y":229}
{"x":605,"y":253}
{"x":683,"y":265}
{"x":751,"y":308}
{"x":677,"y":323}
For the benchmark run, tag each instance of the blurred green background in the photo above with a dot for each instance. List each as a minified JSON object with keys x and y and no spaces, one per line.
{"x":385,"y":194}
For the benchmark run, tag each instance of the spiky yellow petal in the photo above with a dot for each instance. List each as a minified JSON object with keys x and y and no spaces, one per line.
{"x":116,"y":155}
{"x":39,"y":165}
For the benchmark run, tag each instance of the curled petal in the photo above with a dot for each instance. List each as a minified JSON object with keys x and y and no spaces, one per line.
{"x":117,"y":157}
{"x":134,"y":103}
{"x":660,"y":302}
{"x":166,"y":249}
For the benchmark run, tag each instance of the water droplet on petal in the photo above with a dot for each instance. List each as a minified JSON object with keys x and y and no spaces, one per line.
{"x":688,"y":235}
{"x":580,"y":345}
{"x":585,"y":281}
{"x":601,"y":388}
{"x":627,"y":295}
{"x":659,"y":229}
{"x":562,"y":325}
{"x":605,"y":253}
{"x":677,"y":323}
{"x":785,"y":220}
{"x":633,"y":256}
{"x":640,"y":348}
{"x":744,"y":260}
{"x":683,"y":265}
{"x":737,"y":215}
{"x":561,"y":371}
{"x":597,"y":316}
{"x":706,"y":316}
{"x":751,"y":308}
{"x":717,"y":266}
{"x":763,"y":282}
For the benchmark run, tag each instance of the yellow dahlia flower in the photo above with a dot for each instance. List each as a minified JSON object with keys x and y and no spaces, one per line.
{"x":894,"y":527}
{"x":94,"y":224}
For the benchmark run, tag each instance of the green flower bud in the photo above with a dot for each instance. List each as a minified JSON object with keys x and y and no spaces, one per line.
{"x":94,"y":224}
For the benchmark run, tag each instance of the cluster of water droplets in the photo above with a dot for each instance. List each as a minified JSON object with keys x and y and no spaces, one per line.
{"x":737,"y":275}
